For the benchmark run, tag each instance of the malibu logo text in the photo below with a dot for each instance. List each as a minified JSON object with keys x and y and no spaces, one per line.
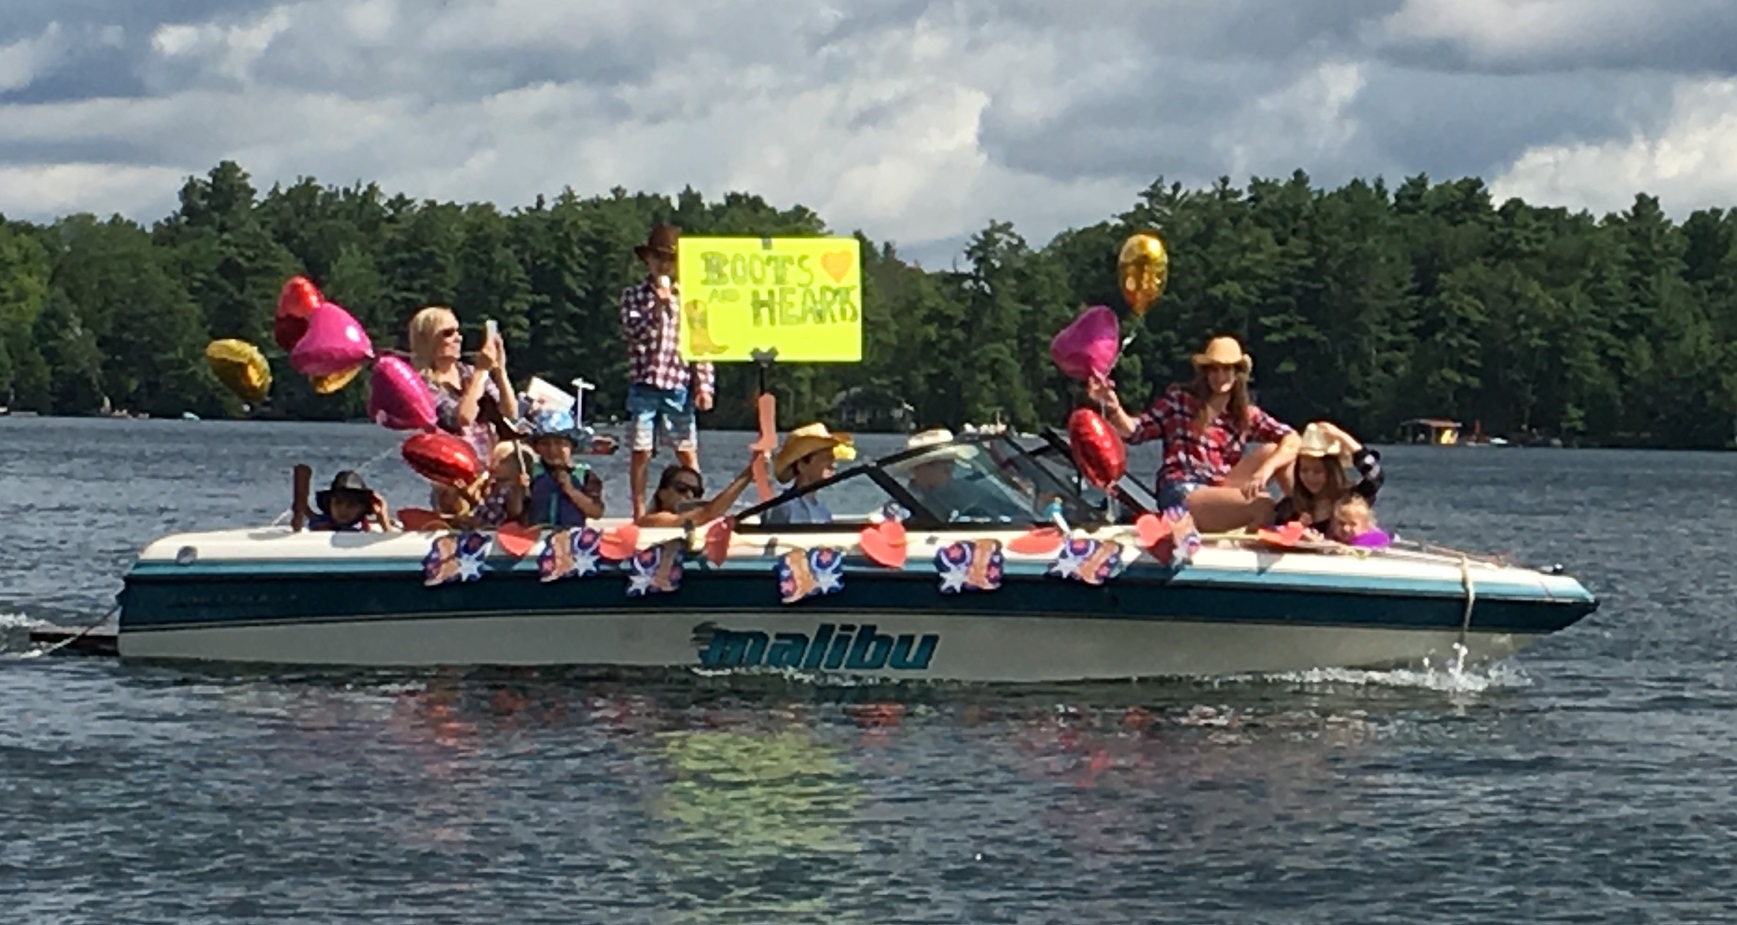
{"x":832,"y":647}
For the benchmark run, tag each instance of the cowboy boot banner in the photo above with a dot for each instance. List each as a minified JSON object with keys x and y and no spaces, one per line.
{"x":799,"y":296}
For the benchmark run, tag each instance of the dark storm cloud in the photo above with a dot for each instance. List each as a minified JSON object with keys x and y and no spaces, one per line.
{"x":1459,"y":124}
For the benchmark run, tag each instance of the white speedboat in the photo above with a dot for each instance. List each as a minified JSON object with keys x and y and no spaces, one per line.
{"x":982,"y":592}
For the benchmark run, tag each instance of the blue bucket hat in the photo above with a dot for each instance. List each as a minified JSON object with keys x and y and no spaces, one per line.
{"x":557,"y":422}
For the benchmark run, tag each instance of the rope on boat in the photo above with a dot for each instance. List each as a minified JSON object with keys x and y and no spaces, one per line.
{"x":1471,"y":589}
{"x":72,"y":639}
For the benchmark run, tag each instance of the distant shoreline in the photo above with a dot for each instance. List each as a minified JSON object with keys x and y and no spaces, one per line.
{"x":604,"y":424}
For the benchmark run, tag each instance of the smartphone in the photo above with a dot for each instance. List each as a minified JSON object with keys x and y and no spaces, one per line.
{"x":493,"y":329}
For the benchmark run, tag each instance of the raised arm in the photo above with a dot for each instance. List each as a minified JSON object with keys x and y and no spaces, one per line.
{"x":301,"y":482}
{"x":588,"y":497}
{"x":1268,"y":429}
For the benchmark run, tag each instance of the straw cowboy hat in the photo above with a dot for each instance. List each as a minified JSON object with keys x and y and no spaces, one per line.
{"x":661,"y":242}
{"x":809,"y":438}
{"x":1224,"y":351}
{"x":1317,"y":442}
{"x":930,"y":437}
{"x":936,"y":437}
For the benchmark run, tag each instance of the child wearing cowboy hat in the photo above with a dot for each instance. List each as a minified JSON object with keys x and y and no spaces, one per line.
{"x":664,"y":391}
{"x":345,"y":506}
{"x":809,"y":456}
{"x":562,"y":494}
{"x":1318,"y":480}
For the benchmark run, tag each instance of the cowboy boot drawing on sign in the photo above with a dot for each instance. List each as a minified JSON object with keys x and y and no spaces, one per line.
{"x":699,"y":329}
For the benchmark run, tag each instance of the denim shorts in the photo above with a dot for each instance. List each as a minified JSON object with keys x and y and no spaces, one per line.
{"x":1175,"y":494}
{"x":667,"y":413}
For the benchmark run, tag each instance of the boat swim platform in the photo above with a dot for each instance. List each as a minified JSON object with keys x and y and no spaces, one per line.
{"x":102,"y":641}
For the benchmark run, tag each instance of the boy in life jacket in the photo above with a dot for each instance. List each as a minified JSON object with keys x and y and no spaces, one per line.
{"x":563,"y":493}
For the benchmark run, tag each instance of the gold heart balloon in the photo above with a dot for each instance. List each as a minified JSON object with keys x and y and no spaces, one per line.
{"x":1143,"y":269}
{"x":240,"y":366}
{"x":326,"y":385}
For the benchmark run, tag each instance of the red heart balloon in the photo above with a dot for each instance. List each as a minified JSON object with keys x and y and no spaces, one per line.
{"x":1098,"y":450}
{"x":298,"y":298}
{"x":442,"y":458}
{"x":287,"y":330}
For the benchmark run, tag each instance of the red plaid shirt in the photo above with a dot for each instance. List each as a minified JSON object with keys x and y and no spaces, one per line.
{"x":1203,"y":457}
{"x":652,"y":335}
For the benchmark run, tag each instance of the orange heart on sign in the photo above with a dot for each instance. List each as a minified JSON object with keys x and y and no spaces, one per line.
{"x":718,"y":541}
{"x":836,"y":264}
{"x":1152,"y":529}
{"x":884,"y":543}
{"x":516,"y":540}
{"x":1037,"y":542}
{"x":619,"y":544}
{"x":419,"y":519}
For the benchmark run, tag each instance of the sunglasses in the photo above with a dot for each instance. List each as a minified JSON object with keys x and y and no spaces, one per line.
{"x":687,"y":488}
{"x":444,"y":333}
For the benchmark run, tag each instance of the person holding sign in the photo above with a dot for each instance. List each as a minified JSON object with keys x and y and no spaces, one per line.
{"x":664,"y":390}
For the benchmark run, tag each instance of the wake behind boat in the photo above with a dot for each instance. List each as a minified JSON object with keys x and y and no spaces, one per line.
{"x":969,"y":590}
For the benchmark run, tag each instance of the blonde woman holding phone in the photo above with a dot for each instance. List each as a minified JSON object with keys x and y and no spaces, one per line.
{"x":467,"y":396}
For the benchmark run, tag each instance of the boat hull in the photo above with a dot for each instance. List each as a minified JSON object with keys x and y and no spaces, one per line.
{"x":309,"y":600}
{"x":915,"y":646}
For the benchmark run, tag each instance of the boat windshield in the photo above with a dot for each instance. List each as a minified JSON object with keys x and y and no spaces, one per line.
{"x":1052,"y":452}
{"x":984,"y":481}
{"x":987,"y":480}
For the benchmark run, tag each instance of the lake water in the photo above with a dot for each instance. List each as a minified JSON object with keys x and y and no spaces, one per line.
{"x":1592,"y":779}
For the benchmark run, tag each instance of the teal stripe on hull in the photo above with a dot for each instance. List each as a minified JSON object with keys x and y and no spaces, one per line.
{"x":1139,"y":574}
{"x":163,"y":596}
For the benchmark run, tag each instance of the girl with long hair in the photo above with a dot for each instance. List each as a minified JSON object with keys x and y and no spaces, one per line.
{"x":1207,"y":424}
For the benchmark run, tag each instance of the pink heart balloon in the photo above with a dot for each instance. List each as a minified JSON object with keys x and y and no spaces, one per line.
{"x":1089,"y":345}
{"x":333,"y":343}
{"x":398,"y":398}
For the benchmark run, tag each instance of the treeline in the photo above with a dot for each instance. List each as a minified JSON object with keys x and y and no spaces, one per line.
{"x":1363,"y":304}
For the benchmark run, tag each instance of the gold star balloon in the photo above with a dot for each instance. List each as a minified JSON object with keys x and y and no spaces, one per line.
{"x":1143,"y":269}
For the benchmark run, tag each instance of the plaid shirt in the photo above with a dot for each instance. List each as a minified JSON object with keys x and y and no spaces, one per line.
{"x":652,"y":333}
{"x":1202,"y":457}
{"x":480,"y":434}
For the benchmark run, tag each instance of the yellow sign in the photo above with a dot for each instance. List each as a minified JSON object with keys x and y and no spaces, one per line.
{"x":799,"y":296}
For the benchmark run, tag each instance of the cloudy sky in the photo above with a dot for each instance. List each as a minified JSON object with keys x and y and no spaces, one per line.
{"x":914,"y":121}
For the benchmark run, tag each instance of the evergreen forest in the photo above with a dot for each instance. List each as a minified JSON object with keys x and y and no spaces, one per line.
{"x":1365,"y":304}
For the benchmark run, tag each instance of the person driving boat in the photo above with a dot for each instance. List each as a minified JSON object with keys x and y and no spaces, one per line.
{"x":964,"y":481}
{"x":931,"y":478}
